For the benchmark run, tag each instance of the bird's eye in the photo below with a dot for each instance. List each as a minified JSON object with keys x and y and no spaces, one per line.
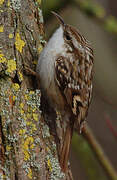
{"x":68,"y":37}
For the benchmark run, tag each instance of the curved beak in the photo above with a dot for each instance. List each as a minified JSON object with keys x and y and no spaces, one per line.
{"x":59,"y":18}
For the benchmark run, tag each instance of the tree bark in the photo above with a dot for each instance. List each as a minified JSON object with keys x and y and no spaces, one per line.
{"x":28,"y":137}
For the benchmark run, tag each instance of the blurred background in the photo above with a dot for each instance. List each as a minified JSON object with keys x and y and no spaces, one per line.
{"x":97,"y":21}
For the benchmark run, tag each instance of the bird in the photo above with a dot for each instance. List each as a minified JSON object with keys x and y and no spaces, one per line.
{"x":65,"y":70}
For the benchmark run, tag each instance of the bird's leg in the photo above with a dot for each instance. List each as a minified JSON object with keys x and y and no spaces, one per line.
{"x":29,"y":71}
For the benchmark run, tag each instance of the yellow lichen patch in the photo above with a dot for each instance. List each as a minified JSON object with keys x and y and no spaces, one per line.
{"x":8,"y":148}
{"x":10,"y":35}
{"x":28,"y":144}
{"x":1,"y":2}
{"x":31,"y":92}
{"x":49,"y":165}
{"x":11,"y":66}
{"x":8,"y":3}
{"x":2,"y":176}
{"x":29,"y":108}
{"x":39,"y":1}
{"x":14,"y":97}
{"x":28,"y":115}
{"x":15,"y":86}
{"x":47,"y":149}
{"x":21,"y":108}
{"x":28,"y":123}
{"x":26,"y":155}
{"x":20,"y":76}
{"x":2,"y":58}
{"x":31,"y":146}
{"x":34,"y":109}
{"x":21,"y":105}
{"x":1,"y":28}
{"x":35,"y":117}
{"x":29,"y":173}
{"x":26,"y":97}
{"x":35,"y":62}
{"x":32,"y":125}
{"x":19,"y":43}
{"x":22,"y":111}
{"x":40,"y":48}
{"x":22,"y":131}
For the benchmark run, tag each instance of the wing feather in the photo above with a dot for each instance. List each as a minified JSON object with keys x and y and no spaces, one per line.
{"x":75,"y":82}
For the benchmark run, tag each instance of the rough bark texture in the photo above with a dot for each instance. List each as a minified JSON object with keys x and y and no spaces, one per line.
{"x":27,"y":145}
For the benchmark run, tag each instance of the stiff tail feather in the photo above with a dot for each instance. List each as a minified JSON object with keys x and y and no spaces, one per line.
{"x":64,"y":155}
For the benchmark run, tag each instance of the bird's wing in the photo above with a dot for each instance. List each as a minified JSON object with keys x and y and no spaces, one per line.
{"x":75,"y":82}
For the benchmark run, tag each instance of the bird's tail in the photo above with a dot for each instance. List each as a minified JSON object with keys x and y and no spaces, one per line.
{"x":64,"y":154}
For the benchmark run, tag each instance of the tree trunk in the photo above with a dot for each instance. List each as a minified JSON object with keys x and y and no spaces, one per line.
{"x":28,"y":137}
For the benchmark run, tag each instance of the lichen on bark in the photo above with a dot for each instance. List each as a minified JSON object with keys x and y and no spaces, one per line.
{"x":28,"y":148}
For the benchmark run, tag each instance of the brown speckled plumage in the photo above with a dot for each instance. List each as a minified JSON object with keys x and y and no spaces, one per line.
{"x":65,"y":70}
{"x":74,"y":75}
